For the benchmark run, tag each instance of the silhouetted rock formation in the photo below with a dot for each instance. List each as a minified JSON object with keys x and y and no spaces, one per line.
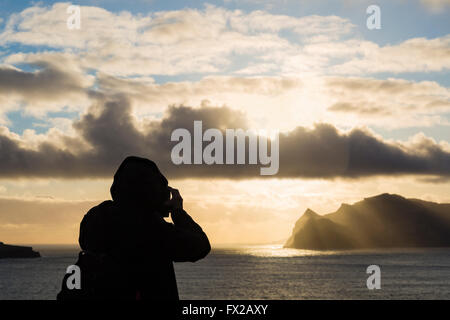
{"x":383,"y":221}
{"x":10,"y":251}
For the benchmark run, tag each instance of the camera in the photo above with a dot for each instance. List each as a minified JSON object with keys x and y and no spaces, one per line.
{"x":164,"y":209}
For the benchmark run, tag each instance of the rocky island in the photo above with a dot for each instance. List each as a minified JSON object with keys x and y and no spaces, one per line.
{"x":383,"y":221}
{"x":10,"y":251}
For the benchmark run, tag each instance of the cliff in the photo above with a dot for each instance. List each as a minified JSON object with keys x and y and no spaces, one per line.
{"x":10,"y":251}
{"x":386,"y":220}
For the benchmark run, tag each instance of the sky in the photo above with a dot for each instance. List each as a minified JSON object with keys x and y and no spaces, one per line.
{"x":359,"y":111}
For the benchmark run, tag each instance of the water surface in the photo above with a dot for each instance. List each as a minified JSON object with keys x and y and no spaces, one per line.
{"x":262,"y":272}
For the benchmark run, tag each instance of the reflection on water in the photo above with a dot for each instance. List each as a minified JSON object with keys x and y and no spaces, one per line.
{"x":275,"y":251}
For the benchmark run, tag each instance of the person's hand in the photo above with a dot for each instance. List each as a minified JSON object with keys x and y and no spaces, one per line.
{"x":176,"y":202}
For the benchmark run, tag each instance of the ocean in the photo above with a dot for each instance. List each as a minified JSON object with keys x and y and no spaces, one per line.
{"x":261,"y":272}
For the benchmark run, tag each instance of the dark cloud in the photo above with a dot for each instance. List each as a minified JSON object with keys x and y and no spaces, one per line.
{"x":47,"y":83}
{"x":324,"y":152}
{"x":204,"y":87}
{"x":111,"y":133}
{"x":369,"y":97}
{"x":365,"y":109}
{"x":392,"y":86}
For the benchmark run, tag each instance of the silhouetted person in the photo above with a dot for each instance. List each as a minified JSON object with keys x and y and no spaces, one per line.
{"x":128,"y":248}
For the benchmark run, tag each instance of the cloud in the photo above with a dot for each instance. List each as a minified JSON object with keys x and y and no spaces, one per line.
{"x":57,"y":84}
{"x":256,"y":95}
{"x":146,"y":91}
{"x":436,"y":5}
{"x":299,"y":101}
{"x":332,"y":26}
{"x":412,"y":55}
{"x":351,"y":100}
{"x":108,"y":133}
{"x":43,"y":86}
{"x":367,"y":109}
{"x":169,"y":42}
{"x":46,"y":84}
{"x":213,"y":40}
{"x":383,"y":101}
{"x":163,"y":42}
{"x":325,"y":152}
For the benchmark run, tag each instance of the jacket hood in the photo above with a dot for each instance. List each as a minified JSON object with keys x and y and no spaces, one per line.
{"x":138,"y":180}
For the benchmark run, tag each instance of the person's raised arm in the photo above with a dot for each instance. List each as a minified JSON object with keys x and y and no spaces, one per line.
{"x":184,"y":239}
